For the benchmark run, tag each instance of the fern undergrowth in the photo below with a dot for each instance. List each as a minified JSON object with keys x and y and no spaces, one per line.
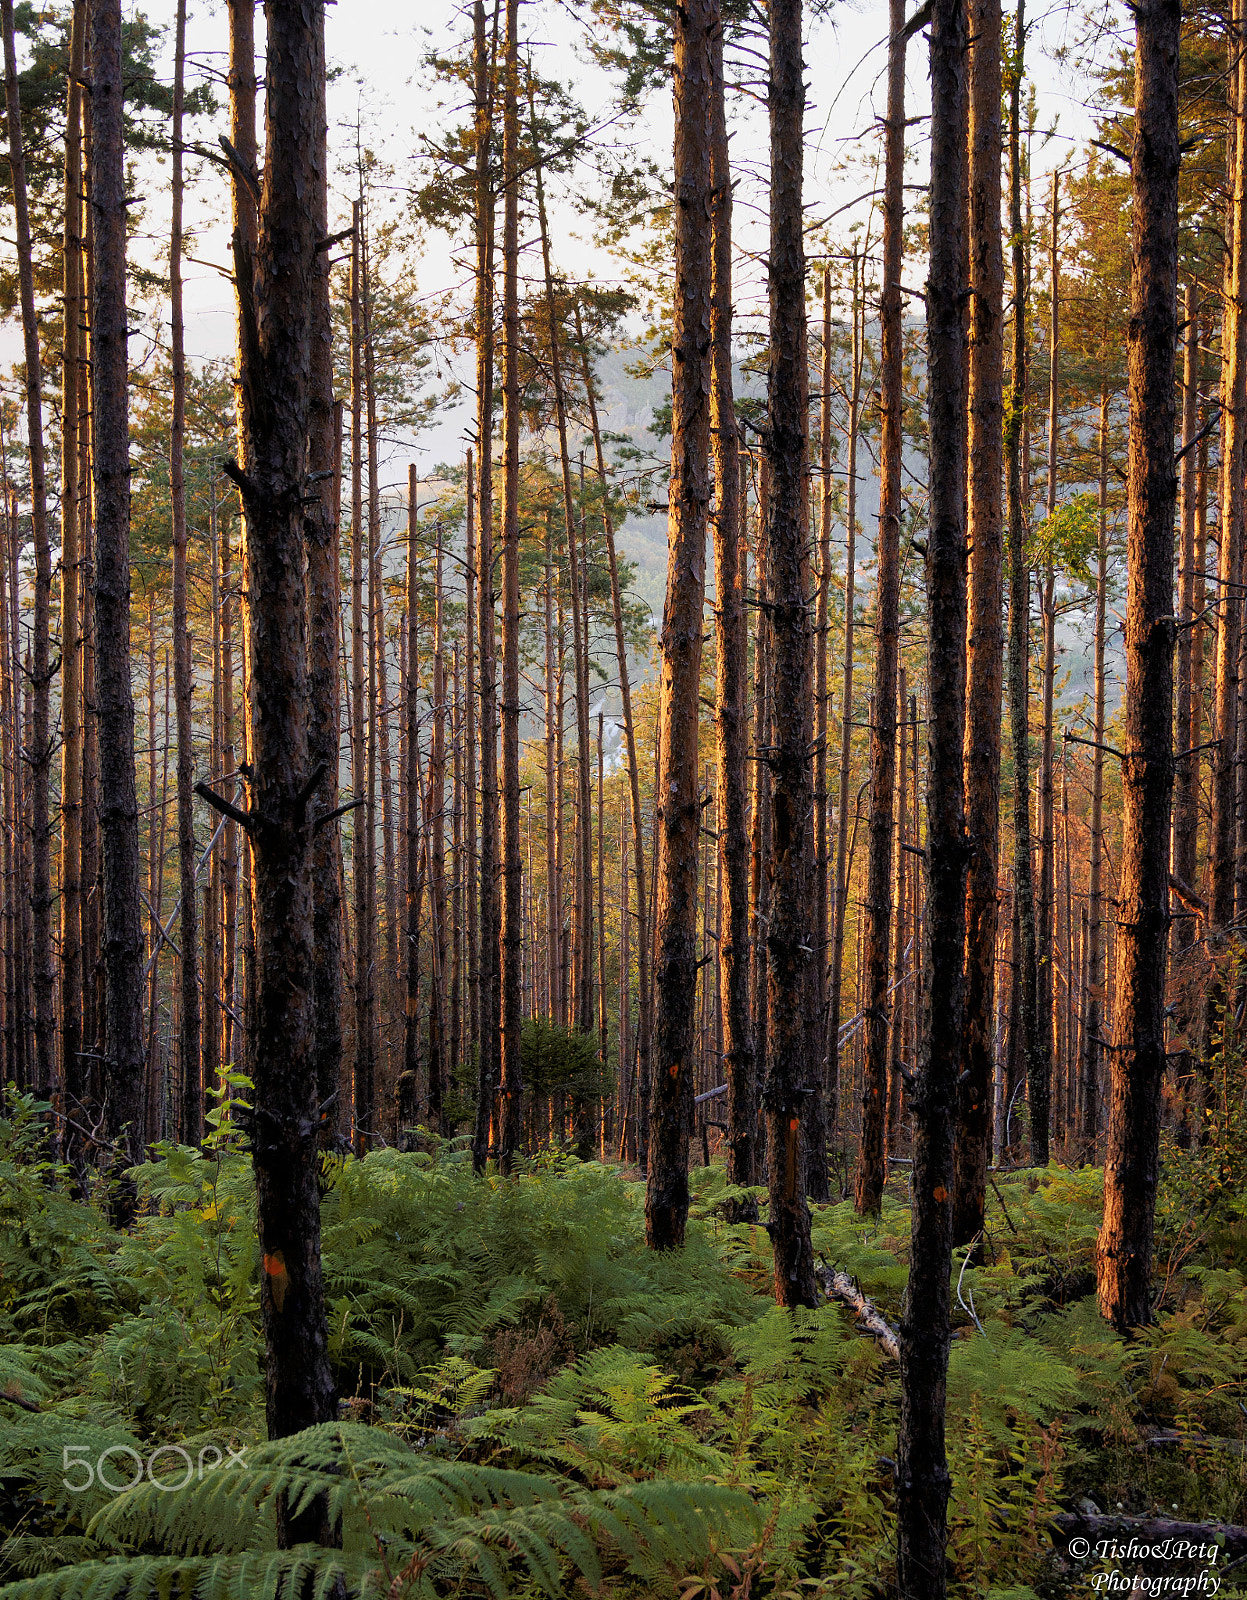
{"x":533,"y":1403}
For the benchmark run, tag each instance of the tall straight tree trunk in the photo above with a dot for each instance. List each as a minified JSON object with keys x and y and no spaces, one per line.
{"x":1221,"y":832}
{"x":894,"y":162}
{"x":512,"y":940}
{"x":123,"y":928}
{"x":39,"y":752}
{"x":1124,"y":1247}
{"x":644,"y":991}
{"x":407,"y":1087}
{"x":676,"y":792}
{"x":1184,"y":849}
{"x":730,"y":654}
{"x":760,"y":820}
{"x":872,"y":1164}
{"x":1041,"y":1087}
{"x":71,"y":579}
{"x":242,"y":97}
{"x":922,"y":1479}
{"x":793,"y":1081}
{"x":361,"y":846}
{"x":1019,"y":596}
{"x":188,"y":961}
{"x":324,"y":606}
{"x":489,"y":1018}
{"x":438,"y":1063}
{"x":984,"y":633}
{"x":1089,"y":1090}
{"x":822,"y":624}
{"x":276,"y":298}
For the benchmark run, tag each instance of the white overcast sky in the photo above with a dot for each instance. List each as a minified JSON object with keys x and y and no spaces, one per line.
{"x":378,"y":45}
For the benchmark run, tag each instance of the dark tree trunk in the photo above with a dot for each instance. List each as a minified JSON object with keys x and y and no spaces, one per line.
{"x":1124,"y":1248}
{"x":922,"y":1479}
{"x":984,"y":635}
{"x":324,"y":607}
{"x":730,"y":661}
{"x":407,"y":1088}
{"x":1089,"y":1074}
{"x":114,"y":701}
{"x":676,"y":798}
{"x":183,"y":681}
{"x":793,"y":1081}
{"x":1019,"y":603}
{"x":364,"y":1074}
{"x":277,"y":295}
{"x":872,"y":1165}
{"x":512,"y":936}
{"x":72,"y":1078}
{"x":1221,"y":831}
{"x":39,"y":750}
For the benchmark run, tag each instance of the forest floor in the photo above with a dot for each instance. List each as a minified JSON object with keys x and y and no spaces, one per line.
{"x":534,"y":1403}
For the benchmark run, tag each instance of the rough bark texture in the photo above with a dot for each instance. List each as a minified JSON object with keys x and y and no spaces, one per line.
{"x":114,"y":701}
{"x":1221,"y":833}
{"x":1089,"y":1073}
{"x":872,"y":1165}
{"x":1124,"y":1248}
{"x":324,"y":603}
{"x":406,"y":1089}
{"x":677,"y":801}
{"x":822,"y":622}
{"x":1019,"y":597}
{"x":183,"y":680}
{"x":512,"y":940}
{"x":39,"y":748}
{"x":922,"y":1479}
{"x":1184,"y":851}
{"x":276,"y":297}
{"x":72,"y":1075}
{"x":793,"y":1081}
{"x":896,"y":117}
{"x":730,"y":660}
{"x":984,"y":633}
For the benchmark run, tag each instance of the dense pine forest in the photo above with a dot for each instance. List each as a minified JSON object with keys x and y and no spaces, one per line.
{"x":538,"y":1062}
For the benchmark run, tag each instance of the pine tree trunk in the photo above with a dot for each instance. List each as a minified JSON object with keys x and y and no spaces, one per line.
{"x":489,"y":979}
{"x":1093,"y":1016}
{"x":324,"y":606}
{"x":1042,"y":1086}
{"x":1019,"y":608}
{"x":438,"y":1064}
{"x":1185,"y":856}
{"x":39,"y":751}
{"x":123,"y":929}
{"x":277,"y":295}
{"x":792,"y":1080}
{"x":188,"y":962}
{"x":984,"y":633}
{"x":71,"y":578}
{"x":361,"y":843}
{"x":872,"y":1166}
{"x":822,"y":624}
{"x":1124,"y":1248}
{"x":676,"y":794}
{"x":730,"y":658}
{"x":407,"y":1087}
{"x":512,"y":1083}
{"x":922,"y":1480}
{"x":1221,"y":832}
{"x":896,"y":118}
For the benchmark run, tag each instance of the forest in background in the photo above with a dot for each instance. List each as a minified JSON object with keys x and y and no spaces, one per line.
{"x":508,"y":1091}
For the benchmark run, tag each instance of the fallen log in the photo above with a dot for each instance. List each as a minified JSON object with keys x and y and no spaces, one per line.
{"x":837,"y":1285}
